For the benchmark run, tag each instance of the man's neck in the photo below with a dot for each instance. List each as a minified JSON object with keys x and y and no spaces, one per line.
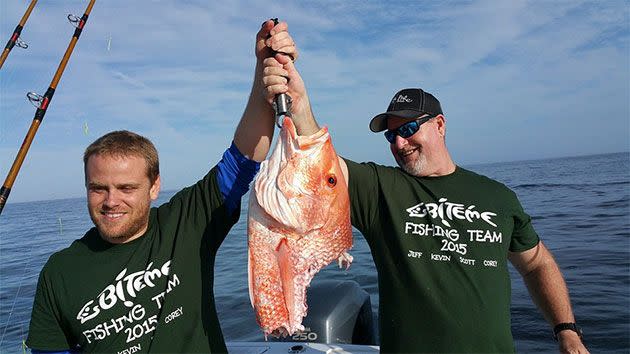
{"x":443,"y":167}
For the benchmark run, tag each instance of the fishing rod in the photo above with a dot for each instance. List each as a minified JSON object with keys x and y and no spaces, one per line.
{"x":42,"y":104}
{"x":15,"y":37}
{"x":282,"y":102}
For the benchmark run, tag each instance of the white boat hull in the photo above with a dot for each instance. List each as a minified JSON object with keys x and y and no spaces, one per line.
{"x":297,"y":348}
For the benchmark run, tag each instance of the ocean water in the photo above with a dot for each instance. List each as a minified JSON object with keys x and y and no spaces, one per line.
{"x":580,"y":208}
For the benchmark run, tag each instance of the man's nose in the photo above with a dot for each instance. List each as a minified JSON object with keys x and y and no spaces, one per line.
{"x":112,"y":199}
{"x":400,"y":142}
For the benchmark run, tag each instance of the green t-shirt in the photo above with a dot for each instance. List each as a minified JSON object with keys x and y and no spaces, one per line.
{"x":440,"y":246}
{"x":153,"y":294}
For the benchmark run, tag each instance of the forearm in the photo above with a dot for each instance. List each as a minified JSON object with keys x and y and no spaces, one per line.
{"x":235,"y":173}
{"x":549,"y":292}
{"x":255,"y":130}
{"x":304,"y":120}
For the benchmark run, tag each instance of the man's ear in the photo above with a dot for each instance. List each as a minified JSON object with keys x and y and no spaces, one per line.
{"x":441,"y":124}
{"x":155,"y":188}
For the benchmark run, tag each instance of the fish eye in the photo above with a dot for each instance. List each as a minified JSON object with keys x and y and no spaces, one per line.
{"x":331,"y":180}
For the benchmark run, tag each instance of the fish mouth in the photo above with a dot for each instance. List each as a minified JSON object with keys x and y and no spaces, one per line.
{"x":303,"y":142}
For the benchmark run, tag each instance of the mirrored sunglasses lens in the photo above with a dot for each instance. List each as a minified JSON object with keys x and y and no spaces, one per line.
{"x":408,"y":129}
{"x":390,"y":136}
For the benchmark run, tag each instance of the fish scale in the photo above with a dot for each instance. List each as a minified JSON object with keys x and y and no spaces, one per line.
{"x":298,"y":222}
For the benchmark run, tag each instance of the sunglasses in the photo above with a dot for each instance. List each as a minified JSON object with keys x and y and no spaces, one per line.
{"x":406,"y":130}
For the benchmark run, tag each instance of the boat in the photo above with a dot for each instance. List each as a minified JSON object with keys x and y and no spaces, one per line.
{"x":339,"y":320}
{"x":297,"y":348}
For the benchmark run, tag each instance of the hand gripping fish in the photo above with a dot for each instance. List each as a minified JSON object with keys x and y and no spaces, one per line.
{"x":299,"y":221}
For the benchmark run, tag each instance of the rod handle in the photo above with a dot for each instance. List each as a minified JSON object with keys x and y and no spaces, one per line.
{"x":282,"y":102}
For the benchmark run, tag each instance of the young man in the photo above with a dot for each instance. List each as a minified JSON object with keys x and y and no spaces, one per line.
{"x":440,"y":235}
{"x":141,"y":280}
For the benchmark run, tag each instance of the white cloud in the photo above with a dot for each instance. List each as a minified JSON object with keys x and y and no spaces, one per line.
{"x":517,"y":79}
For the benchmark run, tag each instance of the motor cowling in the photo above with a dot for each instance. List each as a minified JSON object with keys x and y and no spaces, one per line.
{"x":338,"y":313}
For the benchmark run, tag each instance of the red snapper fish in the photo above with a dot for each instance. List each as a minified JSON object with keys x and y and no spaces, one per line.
{"x":298,"y":222}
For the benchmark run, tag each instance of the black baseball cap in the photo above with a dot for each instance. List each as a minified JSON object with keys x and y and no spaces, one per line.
{"x":407,"y":103}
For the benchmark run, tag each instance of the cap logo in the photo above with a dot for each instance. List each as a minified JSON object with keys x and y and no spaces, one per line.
{"x":401,"y":99}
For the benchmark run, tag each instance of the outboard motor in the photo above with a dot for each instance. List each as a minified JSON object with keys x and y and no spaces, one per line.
{"x":339,"y":312}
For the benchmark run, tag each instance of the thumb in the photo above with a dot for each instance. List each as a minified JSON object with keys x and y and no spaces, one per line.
{"x":265,"y":29}
{"x":261,"y":38}
{"x":286,"y":62}
{"x":289,"y":66}
{"x":283,"y":59}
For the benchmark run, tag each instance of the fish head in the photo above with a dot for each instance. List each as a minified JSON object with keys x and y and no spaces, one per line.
{"x":302,"y":185}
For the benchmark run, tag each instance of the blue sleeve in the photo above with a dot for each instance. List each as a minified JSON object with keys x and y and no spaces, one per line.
{"x":235,"y":173}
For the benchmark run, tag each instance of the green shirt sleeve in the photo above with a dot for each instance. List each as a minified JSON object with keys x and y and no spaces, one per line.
{"x":203,"y":206}
{"x":46,"y":331}
{"x":364,"y":194}
{"x":524,"y":237}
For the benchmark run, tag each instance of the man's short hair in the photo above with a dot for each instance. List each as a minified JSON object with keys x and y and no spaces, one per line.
{"x":123,"y":143}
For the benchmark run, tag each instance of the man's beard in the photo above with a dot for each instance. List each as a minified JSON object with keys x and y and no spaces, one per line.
{"x":414,"y":167}
{"x":125,"y":231}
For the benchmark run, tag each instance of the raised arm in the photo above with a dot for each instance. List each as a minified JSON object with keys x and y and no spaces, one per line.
{"x":255,"y":130}
{"x":549,"y":292}
{"x":281,"y":76}
{"x":254,"y":133}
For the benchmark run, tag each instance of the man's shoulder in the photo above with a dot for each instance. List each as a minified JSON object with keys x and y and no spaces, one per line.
{"x":378,"y":168}
{"x":484,"y":180}
{"x":77,"y":248}
{"x":475,"y":175}
{"x":181,"y":196}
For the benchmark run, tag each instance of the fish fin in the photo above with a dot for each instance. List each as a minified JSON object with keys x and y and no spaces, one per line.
{"x":250,"y":277}
{"x":287,"y":276}
{"x":345,"y":259}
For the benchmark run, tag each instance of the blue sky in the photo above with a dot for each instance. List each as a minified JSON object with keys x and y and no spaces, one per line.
{"x":517,"y":79}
